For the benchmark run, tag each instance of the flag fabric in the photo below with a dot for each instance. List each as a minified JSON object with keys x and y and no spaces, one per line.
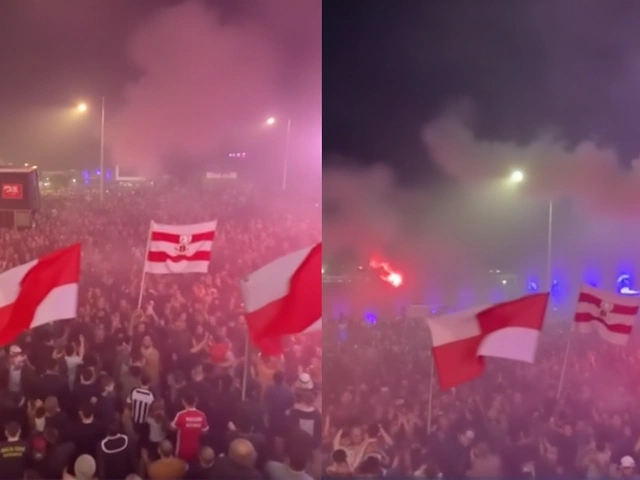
{"x":180,"y":248}
{"x":284,"y":298}
{"x":39,"y":292}
{"x":506,"y":330}
{"x":609,"y":314}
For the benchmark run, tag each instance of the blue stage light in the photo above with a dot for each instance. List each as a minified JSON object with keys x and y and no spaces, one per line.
{"x":624,"y":285}
{"x":371,"y":318}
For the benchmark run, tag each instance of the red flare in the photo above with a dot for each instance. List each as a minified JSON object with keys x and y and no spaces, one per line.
{"x":388,"y":274}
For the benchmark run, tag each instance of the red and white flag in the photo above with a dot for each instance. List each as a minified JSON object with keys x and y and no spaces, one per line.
{"x":39,"y":292}
{"x":284,"y":298}
{"x":180,"y":248}
{"x":609,"y":314}
{"x":506,"y":330}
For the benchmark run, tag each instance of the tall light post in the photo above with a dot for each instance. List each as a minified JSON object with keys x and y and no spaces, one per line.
{"x":82,"y":108}
{"x":272,"y":121}
{"x":516,"y":177}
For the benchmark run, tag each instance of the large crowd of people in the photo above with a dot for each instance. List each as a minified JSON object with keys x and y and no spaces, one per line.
{"x":161,"y":391}
{"x":385,"y":415}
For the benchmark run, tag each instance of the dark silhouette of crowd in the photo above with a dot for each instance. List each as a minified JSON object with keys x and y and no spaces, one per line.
{"x":160,"y":392}
{"x":384,"y":418}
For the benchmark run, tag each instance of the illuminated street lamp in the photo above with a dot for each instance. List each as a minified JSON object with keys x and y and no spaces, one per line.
{"x":82,"y":108}
{"x":516,"y":177}
{"x":272,"y":121}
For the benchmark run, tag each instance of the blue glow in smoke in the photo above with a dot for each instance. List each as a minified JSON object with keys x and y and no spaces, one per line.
{"x":592,"y":277}
{"x":624,"y":285}
{"x":371,"y":318}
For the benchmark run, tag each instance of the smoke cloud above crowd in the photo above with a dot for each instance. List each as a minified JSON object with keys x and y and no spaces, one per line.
{"x":483,"y":221}
{"x":588,"y":173}
{"x":207,"y":81}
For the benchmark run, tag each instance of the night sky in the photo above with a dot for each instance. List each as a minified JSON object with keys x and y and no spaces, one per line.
{"x":389,"y":67}
{"x":58,"y":53}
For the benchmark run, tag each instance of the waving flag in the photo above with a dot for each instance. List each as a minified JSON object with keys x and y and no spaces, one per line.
{"x":609,"y":314}
{"x":284,"y":298}
{"x":180,"y":248}
{"x":39,"y":292}
{"x":506,"y":330}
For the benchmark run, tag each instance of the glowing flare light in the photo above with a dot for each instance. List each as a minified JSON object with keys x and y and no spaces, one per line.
{"x":392,"y":277}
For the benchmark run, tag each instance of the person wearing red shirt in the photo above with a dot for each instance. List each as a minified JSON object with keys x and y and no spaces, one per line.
{"x":190,"y":424}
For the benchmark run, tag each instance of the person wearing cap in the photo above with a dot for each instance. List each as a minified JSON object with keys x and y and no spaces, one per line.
{"x":628,"y":467}
{"x":303,"y":382}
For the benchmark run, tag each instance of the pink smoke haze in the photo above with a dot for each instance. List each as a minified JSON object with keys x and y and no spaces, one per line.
{"x":587,"y":173}
{"x":449,"y":239}
{"x":203,"y":85}
{"x":367,"y":215}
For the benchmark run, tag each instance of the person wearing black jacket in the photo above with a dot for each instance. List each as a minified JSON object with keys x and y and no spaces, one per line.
{"x":14,"y":453}
{"x":116,"y":454}
{"x":86,"y":433}
{"x":52,"y":384}
{"x":86,"y":390}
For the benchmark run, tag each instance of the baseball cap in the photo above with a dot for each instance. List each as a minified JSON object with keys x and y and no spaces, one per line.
{"x":15,"y":350}
{"x":304,"y":382}
{"x":39,"y":444}
{"x":627,"y":462}
{"x":85,"y":467}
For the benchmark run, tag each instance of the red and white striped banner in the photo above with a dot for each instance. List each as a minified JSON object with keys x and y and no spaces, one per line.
{"x":180,"y":248}
{"x":610,"y":315}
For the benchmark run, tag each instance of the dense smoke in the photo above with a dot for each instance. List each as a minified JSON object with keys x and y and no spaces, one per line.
{"x":206,"y":82}
{"x":483,"y":221}
{"x":592,"y":175}
{"x":367,"y":215}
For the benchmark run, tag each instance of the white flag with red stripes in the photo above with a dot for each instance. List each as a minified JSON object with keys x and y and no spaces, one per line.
{"x":180,"y":248}
{"x":609,"y":314}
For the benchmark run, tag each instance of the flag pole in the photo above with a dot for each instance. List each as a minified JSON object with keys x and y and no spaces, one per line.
{"x":564,"y":363}
{"x":245,"y":371}
{"x":431,"y":382}
{"x":144,"y":265}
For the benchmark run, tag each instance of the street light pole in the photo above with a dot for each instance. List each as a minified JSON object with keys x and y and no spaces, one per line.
{"x":286,"y":155}
{"x":549,"y":245}
{"x":102,"y":154}
{"x":515,"y":178}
